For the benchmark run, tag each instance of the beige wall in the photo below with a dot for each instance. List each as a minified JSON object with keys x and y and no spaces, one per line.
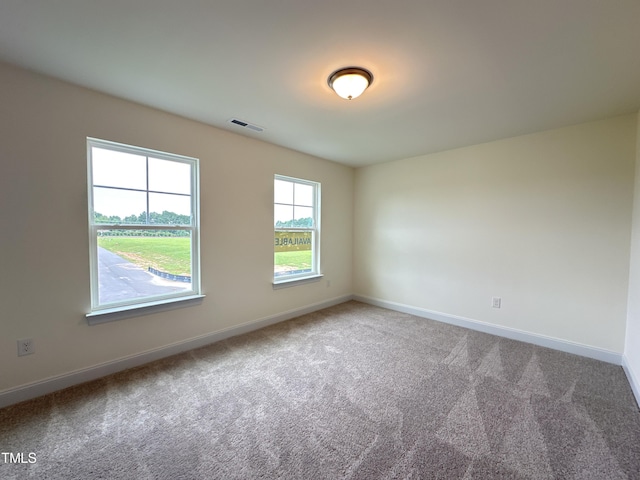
{"x":632,"y":345}
{"x":541,"y":220}
{"x":44,"y":269}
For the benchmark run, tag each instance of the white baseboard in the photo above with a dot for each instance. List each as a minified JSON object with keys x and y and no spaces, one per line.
{"x":512,"y":333}
{"x":633,"y":377}
{"x":59,"y":382}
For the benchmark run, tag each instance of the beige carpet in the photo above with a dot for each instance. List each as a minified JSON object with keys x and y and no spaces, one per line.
{"x":353,"y":391}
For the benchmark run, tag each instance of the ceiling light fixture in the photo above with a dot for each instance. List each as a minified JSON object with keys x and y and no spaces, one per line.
{"x":349,"y":83}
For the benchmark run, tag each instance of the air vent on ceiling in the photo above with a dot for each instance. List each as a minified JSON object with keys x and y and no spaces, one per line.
{"x":247,"y":125}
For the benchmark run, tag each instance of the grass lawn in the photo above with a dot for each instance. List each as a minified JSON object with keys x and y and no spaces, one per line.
{"x":296,"y":260}
{"x":167,"y":254}
{"x":173,"y":254}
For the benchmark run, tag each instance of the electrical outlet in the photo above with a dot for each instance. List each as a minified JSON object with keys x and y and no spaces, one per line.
{"x":328,"y":283}
{"x":26,"y":347}
{"x":497,"y":302}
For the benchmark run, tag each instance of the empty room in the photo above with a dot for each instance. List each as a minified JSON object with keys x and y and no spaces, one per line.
{"x":320,"y":240}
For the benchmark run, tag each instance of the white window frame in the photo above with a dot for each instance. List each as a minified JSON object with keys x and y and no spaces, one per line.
{"x":315,"y":273}
{"x":116,"y":309}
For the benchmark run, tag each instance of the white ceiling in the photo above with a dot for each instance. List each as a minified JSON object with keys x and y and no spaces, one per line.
{"x":447,"y":73}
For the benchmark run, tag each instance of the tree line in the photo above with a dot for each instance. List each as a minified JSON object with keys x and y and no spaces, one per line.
{"x":298,"y":223}
{"x":153,"y":218}
{"x":169,"y":218}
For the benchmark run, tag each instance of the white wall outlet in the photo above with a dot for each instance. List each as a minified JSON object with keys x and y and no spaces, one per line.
{"x":496,"y":302}
{"x":328,"y":283}
{"x":26,"y":347}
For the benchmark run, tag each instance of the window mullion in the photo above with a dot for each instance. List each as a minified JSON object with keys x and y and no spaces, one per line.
{"x":296,"y":248}
{"x":135,"y":243}
{"x":147,"y":192}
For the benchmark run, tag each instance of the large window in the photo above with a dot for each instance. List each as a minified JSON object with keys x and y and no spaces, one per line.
{"x":143,"y":226}
{"x":296,"y":229}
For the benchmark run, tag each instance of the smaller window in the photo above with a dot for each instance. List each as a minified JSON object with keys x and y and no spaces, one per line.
{"x":143,"y":226}
{"x":296,"y":205}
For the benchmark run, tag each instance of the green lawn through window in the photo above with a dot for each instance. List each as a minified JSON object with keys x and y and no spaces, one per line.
{"x":167,"y":254}
{"x":295,"y":260}
{"x":173,"y":254}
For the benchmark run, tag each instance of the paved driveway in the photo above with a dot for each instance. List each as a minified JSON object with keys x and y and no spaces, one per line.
{"x":122,"y":280}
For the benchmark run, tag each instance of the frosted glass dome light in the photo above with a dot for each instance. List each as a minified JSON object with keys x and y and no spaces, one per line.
{"x":349,"y":83}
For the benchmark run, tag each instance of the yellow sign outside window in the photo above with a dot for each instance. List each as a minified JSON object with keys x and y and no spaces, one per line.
{"x":292,"y":241}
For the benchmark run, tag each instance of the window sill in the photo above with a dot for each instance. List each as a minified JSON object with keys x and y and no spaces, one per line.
{"x":128,"y":311}
{"x":292,"y":282}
